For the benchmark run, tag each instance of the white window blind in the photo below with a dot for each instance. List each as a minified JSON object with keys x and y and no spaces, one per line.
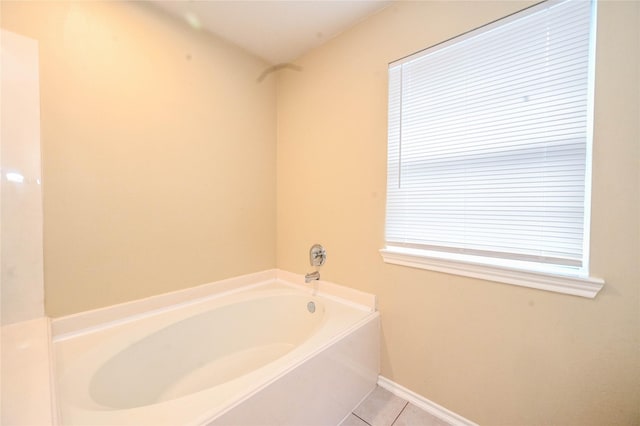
{"x":489,"y":141}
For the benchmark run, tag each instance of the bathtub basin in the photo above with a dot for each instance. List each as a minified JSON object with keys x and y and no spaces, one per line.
{"x":266,"y":353}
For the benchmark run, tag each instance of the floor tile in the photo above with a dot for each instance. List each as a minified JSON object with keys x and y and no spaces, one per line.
{"x":354,"y":420}
{"x":380,"y":408}
{"x":414,"y":416}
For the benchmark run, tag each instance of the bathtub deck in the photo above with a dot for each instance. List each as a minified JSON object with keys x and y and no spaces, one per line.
{"x":27,"y":386}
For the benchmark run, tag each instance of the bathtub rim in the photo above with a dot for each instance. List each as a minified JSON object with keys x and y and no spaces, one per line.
{"x":78,"y":324}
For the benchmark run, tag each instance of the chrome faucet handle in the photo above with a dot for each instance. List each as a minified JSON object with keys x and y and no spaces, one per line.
{"x":317,"y":255}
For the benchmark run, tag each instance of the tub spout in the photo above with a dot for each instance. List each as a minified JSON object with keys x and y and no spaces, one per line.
{"x":315,"y":275}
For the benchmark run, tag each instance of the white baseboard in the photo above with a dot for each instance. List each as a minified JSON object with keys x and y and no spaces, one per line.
{"x":423,"y":403}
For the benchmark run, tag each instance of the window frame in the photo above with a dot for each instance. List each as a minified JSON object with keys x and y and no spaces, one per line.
{"x":567,"y":280}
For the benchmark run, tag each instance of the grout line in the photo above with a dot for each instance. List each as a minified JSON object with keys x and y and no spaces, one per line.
{"x":361,"y":419}
{"x":400,"y":413}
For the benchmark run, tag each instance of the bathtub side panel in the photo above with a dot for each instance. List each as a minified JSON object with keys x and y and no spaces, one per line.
{"x":321,"y":391}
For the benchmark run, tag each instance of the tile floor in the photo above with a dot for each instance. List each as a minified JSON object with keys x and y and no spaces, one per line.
{"x":382,"y":408}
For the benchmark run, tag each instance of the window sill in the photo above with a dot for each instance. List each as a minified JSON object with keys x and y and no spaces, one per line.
{"x":574,"y":285}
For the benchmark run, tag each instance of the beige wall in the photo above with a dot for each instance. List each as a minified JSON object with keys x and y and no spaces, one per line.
{"x":158,"y":153}
{"x":495,"y":353}
{"x":159,"y":159}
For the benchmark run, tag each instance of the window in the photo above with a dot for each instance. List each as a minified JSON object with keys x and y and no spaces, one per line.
{"x":489,"y":151}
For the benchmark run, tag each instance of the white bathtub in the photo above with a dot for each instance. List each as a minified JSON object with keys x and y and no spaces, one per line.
{"x":255,"y":354}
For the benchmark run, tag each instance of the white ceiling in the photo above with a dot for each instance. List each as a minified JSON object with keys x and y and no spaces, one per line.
{"x":277,"y":31}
